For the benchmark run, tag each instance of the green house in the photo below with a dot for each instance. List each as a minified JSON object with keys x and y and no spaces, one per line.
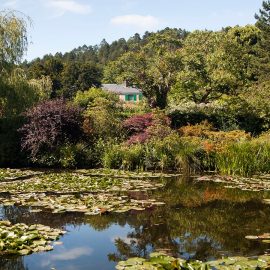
{"x":125,"y":93}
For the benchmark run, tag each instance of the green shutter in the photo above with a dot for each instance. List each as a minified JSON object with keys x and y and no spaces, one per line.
{"x":131,"y":97}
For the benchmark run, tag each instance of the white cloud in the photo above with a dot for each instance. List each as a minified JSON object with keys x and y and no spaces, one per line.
{"x":144,"y":22}
{"x":63,"y":6}
{"x":67,"y":255}
{"x":72,"y":254}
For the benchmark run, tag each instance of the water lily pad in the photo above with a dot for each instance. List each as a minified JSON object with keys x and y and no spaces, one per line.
{"x":251,"y":237}
{"x":90,"y":204}
{"x":74,"y":182}
{"x":22,"y":239}
{"x":159,"y":261}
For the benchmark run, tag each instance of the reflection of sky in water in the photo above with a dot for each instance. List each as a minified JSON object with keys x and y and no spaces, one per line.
{"x":83,"y":248}
{"x":64,"y":254}
{"x":2,"y":214}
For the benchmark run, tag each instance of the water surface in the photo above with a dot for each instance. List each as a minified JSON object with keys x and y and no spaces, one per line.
{"x":199,"y":221}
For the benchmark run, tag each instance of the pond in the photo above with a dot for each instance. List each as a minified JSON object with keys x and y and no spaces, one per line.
{"x":200,"y":220}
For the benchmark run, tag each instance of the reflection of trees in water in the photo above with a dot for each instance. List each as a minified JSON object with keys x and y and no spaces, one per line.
{"x":12,"y":264}
{"x":203,"y":232}
{"x":215,"y":223}
{"x":22,"y":215}
{"x":201,"y":221}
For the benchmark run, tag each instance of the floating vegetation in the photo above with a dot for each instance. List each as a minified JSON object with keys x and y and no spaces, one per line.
{"x":21,"y":239}
{"x":266,"y":201}
{"x":16,"y":174}
{"x":246,"y":184}
{"x":73,"y":182}
{"x":75,"y":192}
{"x":89,"y":204}
{"x":159,"y":261}
{"x":126,"y":174}
{"x":265,"y":238}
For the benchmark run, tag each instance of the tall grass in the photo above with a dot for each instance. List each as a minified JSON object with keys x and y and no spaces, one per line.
{"x":124,"y":157}
{"x":171,"y":153}
{"x":244,"y":158}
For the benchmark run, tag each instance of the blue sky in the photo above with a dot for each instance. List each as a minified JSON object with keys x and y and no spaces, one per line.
{"x":61,"y":25}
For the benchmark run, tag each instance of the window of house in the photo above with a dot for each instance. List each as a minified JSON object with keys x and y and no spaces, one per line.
{"x":130,"y":98}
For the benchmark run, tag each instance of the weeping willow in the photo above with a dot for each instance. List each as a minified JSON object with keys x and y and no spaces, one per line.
{"x":17,"y":93}
{"x":13,"y":37}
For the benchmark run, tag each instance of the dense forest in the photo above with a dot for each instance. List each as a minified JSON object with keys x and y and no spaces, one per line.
{"x":206,"y":100}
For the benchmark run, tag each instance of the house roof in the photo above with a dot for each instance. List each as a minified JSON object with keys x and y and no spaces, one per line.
{"x":121,"y":89}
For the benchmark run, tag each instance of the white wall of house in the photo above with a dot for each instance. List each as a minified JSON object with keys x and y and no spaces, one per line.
{"x":122,"y":97}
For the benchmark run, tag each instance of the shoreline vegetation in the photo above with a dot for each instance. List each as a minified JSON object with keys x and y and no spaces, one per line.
{"x":192,"y":149}
{"x":205,"y":103}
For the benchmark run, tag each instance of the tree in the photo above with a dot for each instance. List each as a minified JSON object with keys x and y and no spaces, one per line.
{"x":79,"y":77}
{"x":102,"y":117}
{"x":263,"y":23}
{"x":36,"y":69}
{"x":43,"y":87}
{"x":13,"y":44}
{"x":87,"y":98}
{"x":13,"y":37}
{"x":263,"y":19}
{"x":152,"y":68}
{"x":17,"y":93}
{"x":53,"y":67}
{"x":104,"y":51}
{"x":216,"y":63}
{"x":142,"y":128}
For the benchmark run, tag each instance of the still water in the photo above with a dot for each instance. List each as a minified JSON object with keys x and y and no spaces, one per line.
{"x":199,"y":221}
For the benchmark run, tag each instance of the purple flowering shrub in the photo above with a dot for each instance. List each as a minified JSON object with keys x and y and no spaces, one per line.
{"x":50,"y":124}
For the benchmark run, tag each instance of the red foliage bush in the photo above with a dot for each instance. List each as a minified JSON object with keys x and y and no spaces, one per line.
{"x":138,"y":138}
{"x":144,"y":127}
{"x":138,"y":123}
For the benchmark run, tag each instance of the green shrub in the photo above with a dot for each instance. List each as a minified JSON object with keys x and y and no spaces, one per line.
{"x":81,"y":155}
{"x":67,"y":157}
{"x":170,"y":153}
{"x":228,"y":114}
{"x":102,"y":119}
{"x":133,"y":157}
{"x":124,"y":157}
{"x":113,"y":157}
{"x":86,"y":98}
{"x":244,"y":158}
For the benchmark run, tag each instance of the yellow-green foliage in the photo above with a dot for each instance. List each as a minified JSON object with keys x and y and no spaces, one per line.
{"x":245,"y":157}
{"x":86,"y":98}
{"x":170,"y":153}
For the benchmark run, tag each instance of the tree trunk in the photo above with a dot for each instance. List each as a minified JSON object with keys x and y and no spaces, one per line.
{"x":161,"y":98}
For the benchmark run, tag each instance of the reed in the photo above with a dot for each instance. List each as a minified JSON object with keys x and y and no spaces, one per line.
{"x":244,"y":158}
